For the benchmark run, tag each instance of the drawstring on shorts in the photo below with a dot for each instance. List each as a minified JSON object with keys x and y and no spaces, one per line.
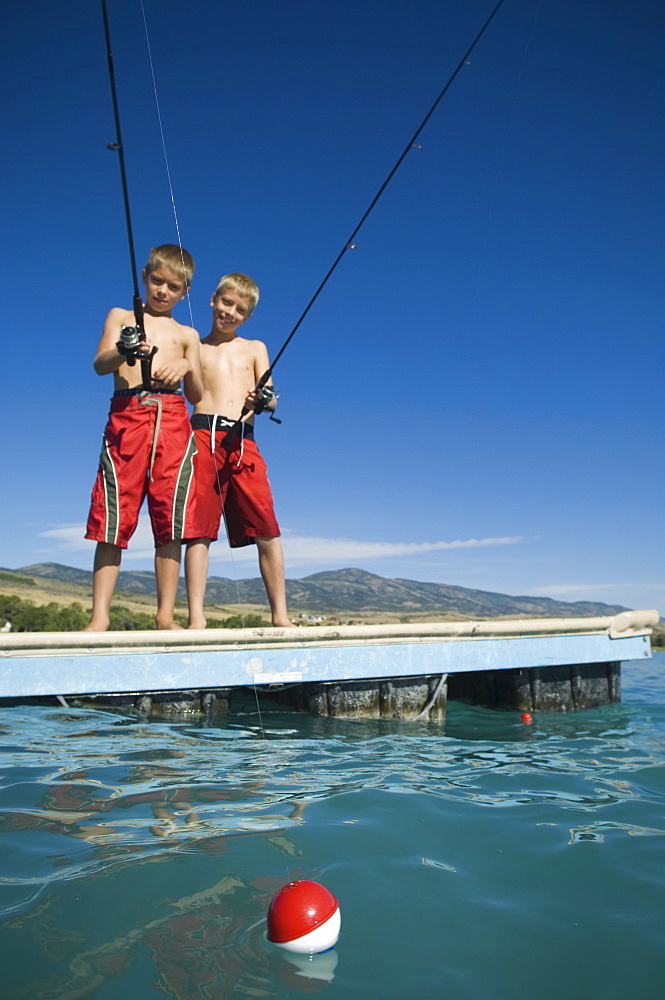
{"x":148,"y":399}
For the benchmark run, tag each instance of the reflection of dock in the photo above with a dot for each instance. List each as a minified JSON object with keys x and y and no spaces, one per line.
{"x":388,"y":671}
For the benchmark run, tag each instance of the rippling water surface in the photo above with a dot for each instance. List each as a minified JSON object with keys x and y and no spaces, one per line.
{"x":485,"y":859}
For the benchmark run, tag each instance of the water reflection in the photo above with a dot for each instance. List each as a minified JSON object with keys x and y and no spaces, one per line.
{"x":181,"y":814}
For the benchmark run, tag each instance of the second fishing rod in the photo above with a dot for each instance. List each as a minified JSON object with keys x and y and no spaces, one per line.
{"x":262,"y":390}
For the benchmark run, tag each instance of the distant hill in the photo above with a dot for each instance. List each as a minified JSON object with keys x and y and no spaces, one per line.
{"x":349,"y":591}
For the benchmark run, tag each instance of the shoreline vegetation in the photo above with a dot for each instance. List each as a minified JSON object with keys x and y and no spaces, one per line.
{"x":25,"y":616}
{"x":44,"y":600}
{"x":31,"y":604}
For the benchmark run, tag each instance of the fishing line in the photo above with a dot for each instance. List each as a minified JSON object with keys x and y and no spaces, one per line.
{"x":166,"y":159}
{"x":191,"y":319}
{"x":350,"y":245}
{"x":175,"y":212}
{"x":242,"y":619}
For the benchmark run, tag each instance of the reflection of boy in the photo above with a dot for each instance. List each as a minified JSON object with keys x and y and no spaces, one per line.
{"x":231,"y":475}
{"x":148,"y":448}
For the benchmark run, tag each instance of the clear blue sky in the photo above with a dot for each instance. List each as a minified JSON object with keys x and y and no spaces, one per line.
{"x":476,"y":398}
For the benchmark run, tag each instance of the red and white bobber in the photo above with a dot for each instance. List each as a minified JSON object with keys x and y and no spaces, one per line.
{"x":304,"y":917}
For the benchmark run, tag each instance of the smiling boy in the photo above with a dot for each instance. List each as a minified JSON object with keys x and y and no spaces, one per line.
{"x":231,"y":475}
{"x":148,"y":447}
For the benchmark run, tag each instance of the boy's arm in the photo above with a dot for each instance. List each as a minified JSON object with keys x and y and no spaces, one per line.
{"x":108,"y":358}
{"x":186,"y":369}
{"x":193,"y":382}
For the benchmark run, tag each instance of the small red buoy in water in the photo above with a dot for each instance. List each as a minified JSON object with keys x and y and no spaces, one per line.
{"x":526,"y":718}
{"x":304,"y":917}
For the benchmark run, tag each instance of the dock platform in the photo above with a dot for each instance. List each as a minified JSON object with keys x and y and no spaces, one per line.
{"x":397,"y":671}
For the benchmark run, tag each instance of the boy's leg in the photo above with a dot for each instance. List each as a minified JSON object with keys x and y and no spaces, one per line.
{"x":271,"y":564}
{"x":167,"y":574}
{"x":105,"y":574}
{"x":196,"y":575}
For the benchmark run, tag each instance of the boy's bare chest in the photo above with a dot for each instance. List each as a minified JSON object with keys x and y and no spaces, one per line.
{"x":229,"y":361}
{"x":166,"y":338}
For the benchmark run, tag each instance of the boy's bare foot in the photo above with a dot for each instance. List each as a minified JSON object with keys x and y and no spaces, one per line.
{"x":96,"y":626}
{"x":197,"y":623}
{"x":282,"y":623}
{"x":168,"y":626}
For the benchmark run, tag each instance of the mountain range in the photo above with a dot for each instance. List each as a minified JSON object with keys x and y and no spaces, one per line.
{"x":348,"y":591}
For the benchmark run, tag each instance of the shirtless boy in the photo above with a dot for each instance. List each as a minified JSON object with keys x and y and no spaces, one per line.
{"x":148,"y":447}
{"x":231,"y":476}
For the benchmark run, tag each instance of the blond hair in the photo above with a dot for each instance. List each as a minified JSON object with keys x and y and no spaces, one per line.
{"x":242,"y":284}
{"x":174,"y":257}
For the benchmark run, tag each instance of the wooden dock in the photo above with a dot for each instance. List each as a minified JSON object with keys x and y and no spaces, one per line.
{"x":373,"y":671}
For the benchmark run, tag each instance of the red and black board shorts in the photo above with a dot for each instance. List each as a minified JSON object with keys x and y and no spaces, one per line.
{"x":148,"y":450}
{"x":234,"y":481}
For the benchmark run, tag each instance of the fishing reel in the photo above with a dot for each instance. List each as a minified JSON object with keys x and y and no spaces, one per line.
{"x":265,"y":395}
{"x":131,"y":338}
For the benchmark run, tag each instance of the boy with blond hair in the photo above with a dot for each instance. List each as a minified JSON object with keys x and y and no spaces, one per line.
{"x":148,"y":447}
{"x":231,"y":475}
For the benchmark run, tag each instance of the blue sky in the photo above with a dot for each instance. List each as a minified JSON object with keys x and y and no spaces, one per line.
{"x":476,"y":397}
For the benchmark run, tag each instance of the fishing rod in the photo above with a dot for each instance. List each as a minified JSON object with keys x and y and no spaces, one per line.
{"x":131,"y":337}
{"x":264,"y":392}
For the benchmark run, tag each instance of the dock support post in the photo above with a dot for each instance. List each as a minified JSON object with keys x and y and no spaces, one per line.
{"x":541,"y":689}
{"x":391,"y":698}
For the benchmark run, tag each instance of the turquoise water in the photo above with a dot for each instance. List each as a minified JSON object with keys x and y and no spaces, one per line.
{"x":486,"y":859}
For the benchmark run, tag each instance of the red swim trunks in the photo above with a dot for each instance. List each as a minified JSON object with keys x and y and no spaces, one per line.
{"x":148,"y":450}
{"x":233,"y":480}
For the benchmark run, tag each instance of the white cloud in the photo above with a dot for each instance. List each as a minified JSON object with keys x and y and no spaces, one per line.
{"x":299,"y":550}
{"x":70,"y":538}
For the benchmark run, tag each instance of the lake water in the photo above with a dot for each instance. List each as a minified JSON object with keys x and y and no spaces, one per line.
{"x":483,"y":860}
